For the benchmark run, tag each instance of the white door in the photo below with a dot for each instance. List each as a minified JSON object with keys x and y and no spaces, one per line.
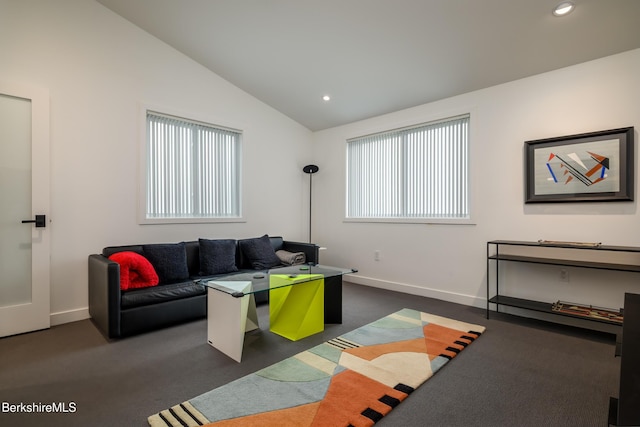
{"x":24,"y":193}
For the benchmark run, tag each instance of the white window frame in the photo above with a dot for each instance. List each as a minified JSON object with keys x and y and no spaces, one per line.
{"x":144,"y":168}
{"x":468,"y":219}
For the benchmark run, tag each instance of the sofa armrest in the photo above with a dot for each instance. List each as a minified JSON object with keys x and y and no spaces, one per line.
{"x":104,"y":294}
{"x":311,"y":250}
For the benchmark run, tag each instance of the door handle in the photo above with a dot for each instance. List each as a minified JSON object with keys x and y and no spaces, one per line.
{"x":40,"y":221}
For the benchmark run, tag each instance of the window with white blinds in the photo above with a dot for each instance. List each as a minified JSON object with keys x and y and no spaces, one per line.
{"x":420,"y":172}
{"x":192,"y":170}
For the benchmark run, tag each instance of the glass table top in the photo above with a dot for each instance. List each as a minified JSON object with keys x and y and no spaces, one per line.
{"x":235,"y":284}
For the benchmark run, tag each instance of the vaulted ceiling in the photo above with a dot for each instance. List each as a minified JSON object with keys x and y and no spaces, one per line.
{"x":377,"y":56}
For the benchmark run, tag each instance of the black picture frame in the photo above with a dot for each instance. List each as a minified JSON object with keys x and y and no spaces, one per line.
{"x":587,"y":167}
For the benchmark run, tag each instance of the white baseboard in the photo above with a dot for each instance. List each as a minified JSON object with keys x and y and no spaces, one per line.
{"x":69,"y":316}
{"x":83,"y":313}
{"x":417,"y":290}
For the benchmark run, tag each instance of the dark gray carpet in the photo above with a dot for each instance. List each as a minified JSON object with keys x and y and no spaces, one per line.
{"x":519,"y":373}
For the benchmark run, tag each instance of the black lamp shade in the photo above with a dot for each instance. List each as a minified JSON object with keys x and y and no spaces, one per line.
{"x":310,"y":169}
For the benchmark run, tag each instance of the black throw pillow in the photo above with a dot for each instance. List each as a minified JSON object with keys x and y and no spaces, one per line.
{"x":259,"y":252}
{"x":169,"y":260}
{"x":217,"y":256}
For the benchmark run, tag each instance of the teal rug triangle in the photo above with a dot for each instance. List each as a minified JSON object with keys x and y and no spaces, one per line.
{"x":354,"y":379}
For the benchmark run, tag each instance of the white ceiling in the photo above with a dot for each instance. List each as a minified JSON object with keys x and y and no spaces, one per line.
{"x":379,"y":56}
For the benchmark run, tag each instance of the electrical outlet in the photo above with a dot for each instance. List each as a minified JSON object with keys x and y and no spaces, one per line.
{"x":376,"y":256}
{"x":564,"y":275}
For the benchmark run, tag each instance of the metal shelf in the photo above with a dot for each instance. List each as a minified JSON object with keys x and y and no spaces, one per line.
{"x":527,"y":304}
{"x":568,"y":263}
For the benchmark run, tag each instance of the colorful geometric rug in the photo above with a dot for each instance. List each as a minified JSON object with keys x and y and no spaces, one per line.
{"x":353,"y":380}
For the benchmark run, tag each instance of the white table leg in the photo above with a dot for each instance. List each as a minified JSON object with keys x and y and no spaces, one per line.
{"x":228,"y":318}
{"x":252,"y":314}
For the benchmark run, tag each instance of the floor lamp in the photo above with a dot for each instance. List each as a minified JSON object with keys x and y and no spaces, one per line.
{"x":310,"y":169}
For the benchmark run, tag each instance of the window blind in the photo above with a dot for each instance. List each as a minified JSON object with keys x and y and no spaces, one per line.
{"x":192,"y":169}
{"x":417,"y":172}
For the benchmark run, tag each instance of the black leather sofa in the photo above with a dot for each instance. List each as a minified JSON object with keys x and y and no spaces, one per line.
{"x":120,"y":313}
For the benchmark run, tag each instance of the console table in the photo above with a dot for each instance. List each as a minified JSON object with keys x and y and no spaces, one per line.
{"x":496,"y":254}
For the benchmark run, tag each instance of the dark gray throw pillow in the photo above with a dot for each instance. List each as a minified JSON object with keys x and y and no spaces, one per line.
{"x":259,"y":252}
{"x":169,"y":261}
{"x":217,"y":256}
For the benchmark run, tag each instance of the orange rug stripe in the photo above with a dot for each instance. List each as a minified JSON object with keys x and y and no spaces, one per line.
{"x":349,"y":394}
{"x":438,"y":338}
{"x":300,"y":416}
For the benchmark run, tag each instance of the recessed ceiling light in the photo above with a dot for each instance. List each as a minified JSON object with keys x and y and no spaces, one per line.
{"x":326,"y":98}
{"x":563,"y":8}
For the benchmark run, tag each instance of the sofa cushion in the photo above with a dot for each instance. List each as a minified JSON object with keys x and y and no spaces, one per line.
{"x":259,"y":252}
{"x":217,"y":256}
{"x":135,"y":270}
{"x":169,"y":260}
{"x":161,"y":293}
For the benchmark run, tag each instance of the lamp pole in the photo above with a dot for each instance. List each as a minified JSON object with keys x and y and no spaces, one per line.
{"x":310,"y":169}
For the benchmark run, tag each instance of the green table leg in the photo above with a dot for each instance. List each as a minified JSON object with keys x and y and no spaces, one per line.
{"x":296,"y":310}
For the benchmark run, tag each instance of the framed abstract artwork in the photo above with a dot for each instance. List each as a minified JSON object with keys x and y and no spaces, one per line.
{"x":589,"y":167}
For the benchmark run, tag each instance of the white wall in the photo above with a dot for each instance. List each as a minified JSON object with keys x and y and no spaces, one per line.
{"x":448,"y":261}
{"x":98,"y":69}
